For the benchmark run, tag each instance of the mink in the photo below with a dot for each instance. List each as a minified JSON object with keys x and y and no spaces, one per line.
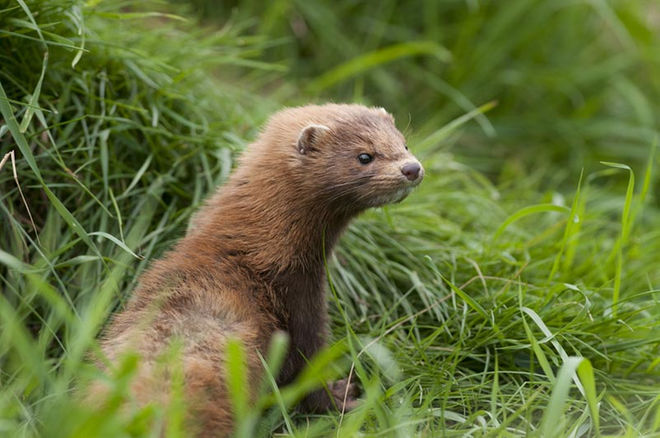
{"x":252,"y":262}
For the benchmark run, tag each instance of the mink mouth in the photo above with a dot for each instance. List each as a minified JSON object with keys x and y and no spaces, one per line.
{"x":393,"y":197}
{"x":393,"y":192}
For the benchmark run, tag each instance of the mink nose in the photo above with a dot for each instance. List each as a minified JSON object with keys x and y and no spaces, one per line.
{"x":411,"y":171}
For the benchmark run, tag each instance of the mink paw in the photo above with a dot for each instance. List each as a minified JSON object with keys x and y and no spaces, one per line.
{"x":345,"y":394}
{"x":340,"y":395}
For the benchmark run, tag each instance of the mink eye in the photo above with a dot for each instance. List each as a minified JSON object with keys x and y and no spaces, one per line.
{"x":405,"y":146}
{"x":365,"y":158}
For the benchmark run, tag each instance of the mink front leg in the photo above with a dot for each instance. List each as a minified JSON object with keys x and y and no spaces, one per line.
{"x":340,"y":395}
{"x":308,"y":335}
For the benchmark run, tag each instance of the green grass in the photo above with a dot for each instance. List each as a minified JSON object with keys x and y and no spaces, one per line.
{"x":576,"y":81}
{"x":515,"y":292}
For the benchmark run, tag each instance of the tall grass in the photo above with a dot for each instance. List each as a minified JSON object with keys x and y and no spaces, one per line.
{"x":575,"y":80}
{"x":522,"y":303}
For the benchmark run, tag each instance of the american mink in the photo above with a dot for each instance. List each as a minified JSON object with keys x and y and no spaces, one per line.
{"x":252,"y":261}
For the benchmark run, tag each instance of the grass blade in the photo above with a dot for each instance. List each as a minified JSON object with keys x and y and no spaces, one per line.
{"x":367,"y":61}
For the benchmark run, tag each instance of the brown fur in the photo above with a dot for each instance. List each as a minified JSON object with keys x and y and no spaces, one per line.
{"x":252,"y":262}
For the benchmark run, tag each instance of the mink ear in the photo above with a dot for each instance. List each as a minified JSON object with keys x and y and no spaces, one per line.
{"x":384,"y":112}
{"x":310,"y":136}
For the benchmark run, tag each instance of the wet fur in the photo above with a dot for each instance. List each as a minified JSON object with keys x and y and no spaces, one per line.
{"x":252,"y":261}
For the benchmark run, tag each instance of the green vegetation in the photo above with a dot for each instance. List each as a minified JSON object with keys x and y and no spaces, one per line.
{"x":515,"y":293}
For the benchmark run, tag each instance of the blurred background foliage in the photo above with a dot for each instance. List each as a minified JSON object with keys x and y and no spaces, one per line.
{"x":575,"y":81}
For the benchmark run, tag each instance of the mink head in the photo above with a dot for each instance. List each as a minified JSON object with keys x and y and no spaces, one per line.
{"x":345,"y":156}
{"x":357,"y":157}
